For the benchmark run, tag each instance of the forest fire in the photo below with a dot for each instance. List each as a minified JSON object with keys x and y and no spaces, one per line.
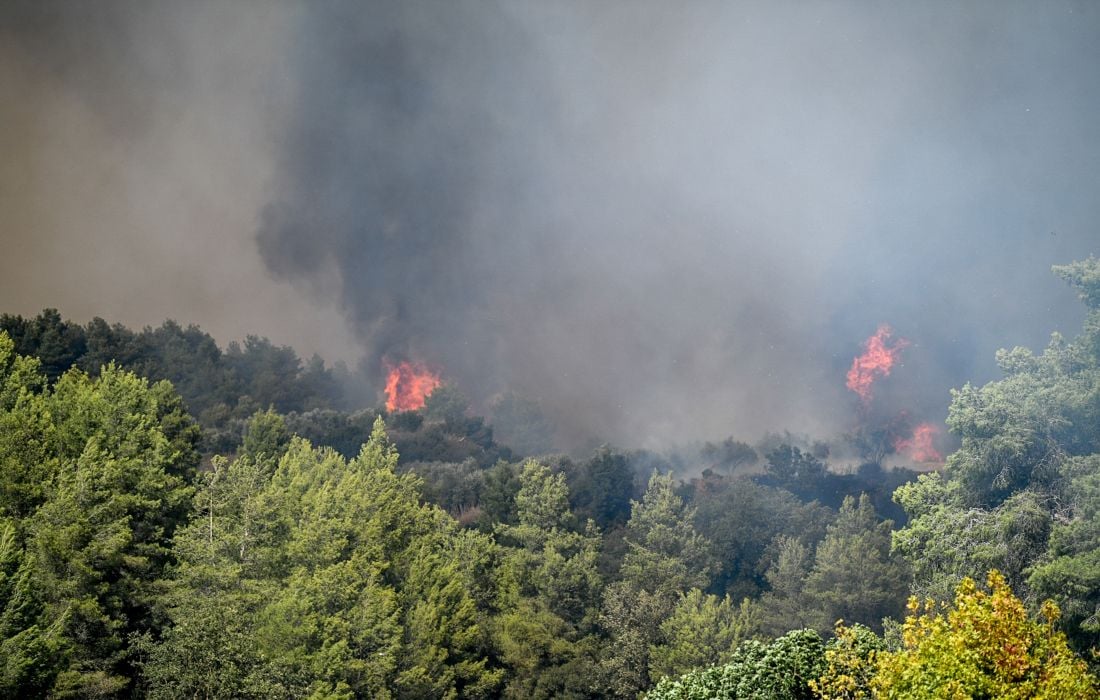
{"x":920,"y":447}
{"x":408,"y":384}
{"x":878,"y":358}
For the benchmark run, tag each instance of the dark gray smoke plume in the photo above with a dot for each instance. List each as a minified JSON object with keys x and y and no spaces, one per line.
{"x":673,"y":221}
{"x":663,"y":220}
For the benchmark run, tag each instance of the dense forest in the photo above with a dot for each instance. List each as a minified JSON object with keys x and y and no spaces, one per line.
{"x":182,"y":521}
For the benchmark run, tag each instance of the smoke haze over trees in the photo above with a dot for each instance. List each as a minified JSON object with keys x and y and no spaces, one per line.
{"x":658,"y":221}
{"x":286,"y":569}
{"x":634,"y":330}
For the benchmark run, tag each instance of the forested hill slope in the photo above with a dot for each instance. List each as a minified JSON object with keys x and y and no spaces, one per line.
{"x":132,"y":566}
{"x":1020,"y":498}
{"x":219,"y":388}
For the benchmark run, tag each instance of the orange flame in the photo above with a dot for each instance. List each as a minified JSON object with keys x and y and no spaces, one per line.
{"x":920,"y":447}
{"x":408,"y":384}
{"x":877,"y":360}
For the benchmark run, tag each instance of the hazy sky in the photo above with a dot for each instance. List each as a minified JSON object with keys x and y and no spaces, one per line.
{"x":664,"y":220}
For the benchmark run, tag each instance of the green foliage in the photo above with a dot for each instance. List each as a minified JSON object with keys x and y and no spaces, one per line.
{"x":983,"y":646}
{"x":851,"y":660}
{"x":265,"y":436}
{"x":552,"y":562}
{"x":343,"y":432}
{"x":291,"y":570}
{"x":545,"y":655}
{"x":1019,"y":494}
{"x":57,"y":343}
{"x":729,"y":455}
{"x":791,"y":466}
{"x":1070,"y":570}
{"x":28,"y":442}
{"x":498,"y":497}
{"x":93,"y":492}
{"x":328,"y":578}
{"x":446,"y":404}
{"x":787,"y":605}
{"x":554,"y":590}
{"x":603,"y":487}
{"x":542,"y":505}
{"x":702,"y":630}
{"x":1084,"y":275}
{"x":850,"y":575}
{"x":222,"y":388}
{"x":781,"y":670}
{"x":947,"y":542}
{"x":31,"y":653}
{"x":854,"y":577}
{"x":743,"y":519}
{"x":666,"y":558}
{"x":667,"y":555}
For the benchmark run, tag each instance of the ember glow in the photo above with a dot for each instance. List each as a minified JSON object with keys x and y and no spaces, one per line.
{"x":878,"y":358}
{"x":408,"y":384}
{"x":921,"y":446}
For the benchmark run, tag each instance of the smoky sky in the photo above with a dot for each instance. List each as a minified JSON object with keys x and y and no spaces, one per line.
{"x":664,"y":221}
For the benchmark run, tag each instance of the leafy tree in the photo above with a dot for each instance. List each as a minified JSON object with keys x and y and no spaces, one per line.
{"x":32,"y":651}
{"x":790,"y":465}
{"x":947,"y":542}
{"x":542,"y":505}
{"x":498,"y":496}
{"x":555,"y":588}
{"x":851,"y":660}
{"x":265,"y":436}
{"x":631,"y":618}
{"x":729,"y":455}
{"x":455,"y":487}
{"x":446,"y":404}
{"x":787,"y":605}
{"x":343,"y":432}
{"x":85,"y":545}
{"x":1070,"y":570}
{"x":184,"y":435}
{"x":602,"y":488}
{"x":100,"y":540}
{"x":545,"y":656}
{"x":983,"y":646}
{"x":666,"y":557}
{"x":222,"y":389}
{"x":854,"y":577}
{"x":877,"y":435}
{"x":742,"y":519}
{"x":780,"y":670}
{"x":55,"y":342}
{"x":1017,"y":431}
{"x":1016,"y":495}
{"x":329,"y":578}
{"x":703,"y":630}
{"x":28,"y":443}
{"x":552,"y":563}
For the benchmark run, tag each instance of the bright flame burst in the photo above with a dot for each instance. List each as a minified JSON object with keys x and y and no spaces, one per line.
{"x":408,"y":384}
{"x":877,"y":360}
{"x":921,"y":446}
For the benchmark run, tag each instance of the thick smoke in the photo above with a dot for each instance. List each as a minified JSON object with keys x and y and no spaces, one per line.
{"x":672,"y":221}
{"x":662,"y":220}
{"x":137,"y":143}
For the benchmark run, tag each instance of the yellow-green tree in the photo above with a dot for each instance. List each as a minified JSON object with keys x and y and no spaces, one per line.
{"x":851,"y":660}
{"x":982,"y":646}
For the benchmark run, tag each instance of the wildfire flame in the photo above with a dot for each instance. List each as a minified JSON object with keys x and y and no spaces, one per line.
{"x":878,"y":358}
{"x":408,"y":384}
{"x":920,"y":447}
